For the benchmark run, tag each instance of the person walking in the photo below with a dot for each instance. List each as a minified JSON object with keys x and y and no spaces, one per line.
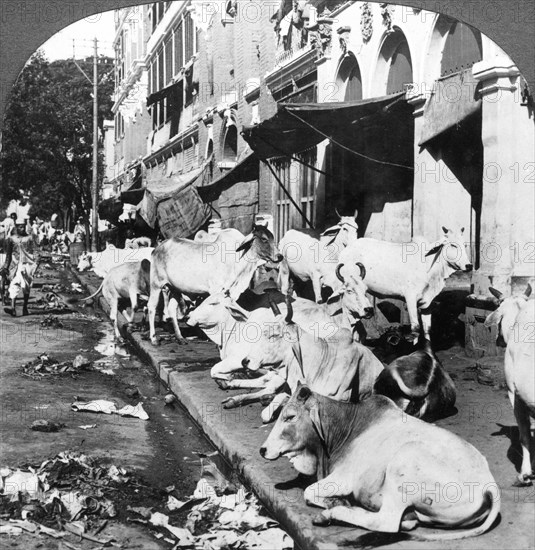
{"x":22,"y":259}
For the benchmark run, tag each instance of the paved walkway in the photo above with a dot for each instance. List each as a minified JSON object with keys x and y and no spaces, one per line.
{"x":484,"y":418}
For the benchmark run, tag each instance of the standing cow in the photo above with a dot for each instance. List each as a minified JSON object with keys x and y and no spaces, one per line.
{"x":516,"y":319}
{"x":198,"y":268}
{"x":411,"y":271}
{"x":311,"y":259}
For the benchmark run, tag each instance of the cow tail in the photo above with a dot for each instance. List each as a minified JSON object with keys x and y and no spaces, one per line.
{"x":95,"y":293}
{"x":490,"y":503}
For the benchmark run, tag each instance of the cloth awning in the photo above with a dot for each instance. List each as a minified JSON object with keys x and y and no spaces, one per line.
{"x":297,"y":127}
{"x":175,"y":203}
{"x":246,"y":170}
{"x":163,"y":93}
{"x":132,"y":196}
{"x":454,"y":98}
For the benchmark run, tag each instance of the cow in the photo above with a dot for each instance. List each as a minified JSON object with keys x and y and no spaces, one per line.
{"x":373,"y":464}
{"x":418,"y":384}
{"x":312,"y":259}
{"x":126,"y":281}
{"x":229,"y":326}
{"x":198,"y":268}
{"x":102,"y":262}
{"x":336,"y":366}
{"x":515,"y":316}
{"x":402,"y":270}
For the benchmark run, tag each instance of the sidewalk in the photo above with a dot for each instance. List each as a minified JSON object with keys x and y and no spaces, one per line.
{"x":239,"y":433}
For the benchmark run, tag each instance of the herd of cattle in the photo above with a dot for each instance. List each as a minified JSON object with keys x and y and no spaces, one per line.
{"x":360,"y":426}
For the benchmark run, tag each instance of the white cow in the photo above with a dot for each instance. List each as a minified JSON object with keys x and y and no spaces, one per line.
{"x":414,"y":271}
{"x":102,"y":262}
{"x":201,"y":268}
{"x":516,"y":318}
{"x":311,"y":259}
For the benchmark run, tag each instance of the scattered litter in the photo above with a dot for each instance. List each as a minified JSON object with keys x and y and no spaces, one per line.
{"x":44,"y":365}
{"x":131,"y":392}
{"x":50,"y":301}
{"x":46,"y":426}
{"x":23,"y":483}
{"x":170,"y":399}
{"x":108,"y":349}
{"x":174,"y":504}
{"x":109,"y":407}
{"x":183,"y":535}
{"x":51,"y":321}
{"x":7,"y":529}
{"x":142,"y":511}
{"x":88,"y":426}
{"x":81,"y":361}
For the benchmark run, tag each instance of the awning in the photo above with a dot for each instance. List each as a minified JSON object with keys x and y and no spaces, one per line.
{"x":163,"y":93}
{"x":454,"y":98}
{"x":132,"y":196}
{"x":246,"y":170}
{"x":110,"y":210}
{"x":297,"y":127}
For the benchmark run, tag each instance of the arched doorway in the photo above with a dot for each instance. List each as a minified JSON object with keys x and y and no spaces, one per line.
{"x":230,"y":145}
{"x":349,"y":80}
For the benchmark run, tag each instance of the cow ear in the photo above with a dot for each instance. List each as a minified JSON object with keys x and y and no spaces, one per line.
{"x":528,"y":291}
{"x":435,"y":250}
{"x":494,"y":318}
{"x":462,"y":230}
{"x":237,"y":312}
{"x":446,"y":230}
{"x":303,"y":393}
{"x":246,"y":243}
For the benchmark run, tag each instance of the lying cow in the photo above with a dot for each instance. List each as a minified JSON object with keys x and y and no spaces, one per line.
{"x":381,"y":462}
{"x":418,"y":384}
{"x":127,"y":281}
{"x":311,"y":259}
{"x":515,"y":317}
{"x":230,"y":327}
{"x":102,"y":262}
{"x":411,"y":271}
{"x":336,"y":366}
{"x":197,"y":268}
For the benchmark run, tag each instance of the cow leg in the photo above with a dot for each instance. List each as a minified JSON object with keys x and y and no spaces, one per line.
{"x":254,"y":383}
{"x":426,"y":323}
{"x":284,"y":276}
{"x":320,"y":494}
{"x":223,"y":369}
{"x":25,"y":298}
{"x":267,"y":393}
{"x":114,"y":305}
{"x":524,"y":427}
{"x":412,"y":309}
{"x":386,"y":520}
{"x":152,"y":305}
{"x":133,"y":306}
{"x":173,"y":308}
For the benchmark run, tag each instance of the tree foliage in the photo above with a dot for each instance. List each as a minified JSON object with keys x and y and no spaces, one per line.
{"x":47,"y":144}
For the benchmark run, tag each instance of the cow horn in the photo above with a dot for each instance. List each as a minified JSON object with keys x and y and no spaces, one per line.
{"x":337,"y":213}
{"x":338,"y":274}
{"x":362,"y":270}
{"x":496,"y":293}
{"x":528,"y":291}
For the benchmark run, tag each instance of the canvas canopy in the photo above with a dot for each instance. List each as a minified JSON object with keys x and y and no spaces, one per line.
{"x":297,"y":127}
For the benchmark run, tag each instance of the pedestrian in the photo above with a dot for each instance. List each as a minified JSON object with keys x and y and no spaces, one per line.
{"x":79,"y":231}
{"x":22,"y":258}
{"x":9,"y":224}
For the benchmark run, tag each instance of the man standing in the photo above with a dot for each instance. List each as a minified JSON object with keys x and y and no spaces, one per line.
{"x":79,"y":231}
{"x":9,"y":224}
{"x":22,"y":257}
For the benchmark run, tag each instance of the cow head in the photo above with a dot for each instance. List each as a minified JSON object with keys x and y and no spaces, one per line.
{"x":215,"y":311}
{"x":353,"y":292}
{"x":343,"y":233}
{"x":453,"y":249}
{"x":294,"y":434}
{"x":260,"y":245}
{"x":85,"y":262}
{"x":508,"y":309}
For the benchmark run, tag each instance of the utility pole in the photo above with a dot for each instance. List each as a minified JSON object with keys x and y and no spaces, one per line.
{"x":94,"y":184}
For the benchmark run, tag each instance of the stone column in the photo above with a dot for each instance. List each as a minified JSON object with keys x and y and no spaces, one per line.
{"x":508,"y":150}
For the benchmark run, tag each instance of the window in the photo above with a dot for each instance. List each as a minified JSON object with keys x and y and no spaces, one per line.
{"x":119,"y":126}
{"x":168,"y":58}
{"x":160,"y":60}
{"x":230,"y":144}
{"x":349,"y":80}
{"x":282,"y":202}
{"x":179,"y":47}
{"x":189,"y":36}
{"x":307,"y":178}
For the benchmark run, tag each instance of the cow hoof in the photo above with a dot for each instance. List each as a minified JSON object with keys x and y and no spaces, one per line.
{"x":321,"y":520}
{"x":11,"y":311}
{"x":229,"y":403}
{"x":223,"y":384}
{"x":182,"y":341}
{"x":155,"y":341}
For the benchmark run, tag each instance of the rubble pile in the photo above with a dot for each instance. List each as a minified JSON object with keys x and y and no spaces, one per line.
{"x":44,"y":365}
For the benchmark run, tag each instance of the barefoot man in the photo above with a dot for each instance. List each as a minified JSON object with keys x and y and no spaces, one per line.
{"x":22,"y":257}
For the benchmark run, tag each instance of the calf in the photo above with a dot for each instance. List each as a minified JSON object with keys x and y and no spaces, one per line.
{"x":128,"y":280}
{"x":412,"y":271}
{"x":311,"y":259}
{"x":418,"y":384}
{"x":515,"y":317}
{"x":380,"y":461}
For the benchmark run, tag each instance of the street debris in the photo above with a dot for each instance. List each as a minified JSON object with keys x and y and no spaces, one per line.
{"x":51,"y":301}
{"x":51,"y":321}
{"x":88,"y":426}
{"x":109,"y":407}
{"x":44,"y":365}
{"x":170,"y":398}
{"x":46,"y":426}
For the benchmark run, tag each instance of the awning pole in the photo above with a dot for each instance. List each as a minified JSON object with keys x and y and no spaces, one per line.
{"x":288,"y":194}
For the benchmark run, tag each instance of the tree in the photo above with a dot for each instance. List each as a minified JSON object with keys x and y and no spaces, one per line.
{"x":48,"y":136}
